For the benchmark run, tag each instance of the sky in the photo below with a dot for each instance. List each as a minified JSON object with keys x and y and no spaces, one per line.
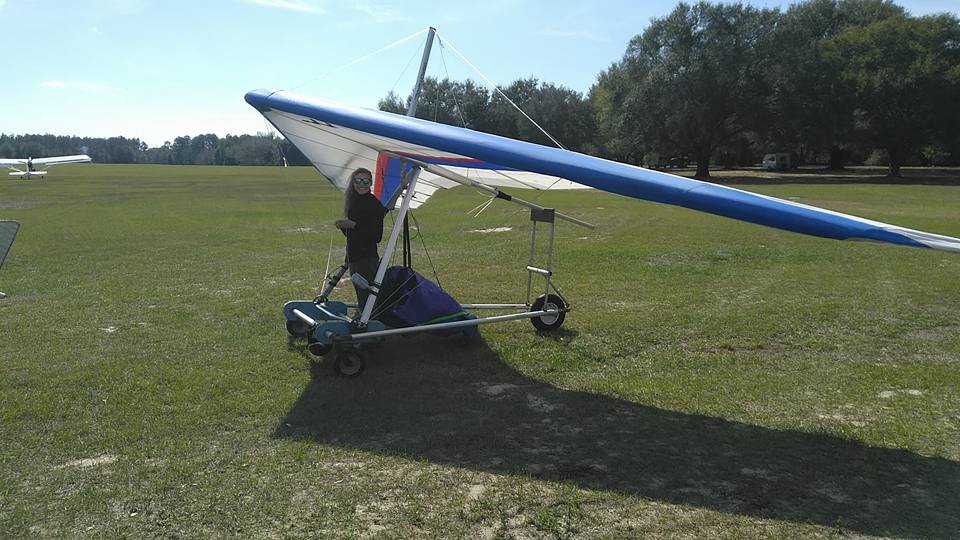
{"x":158,"y":69}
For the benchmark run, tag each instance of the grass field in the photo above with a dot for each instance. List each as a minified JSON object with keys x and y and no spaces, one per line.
{"x":715,"y":379}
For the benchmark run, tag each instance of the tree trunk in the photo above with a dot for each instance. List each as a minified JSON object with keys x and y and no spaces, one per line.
{"x":703,"y":166}
{"x":836,"y":158}
{"x":895,"y":169}
{"x":896,"y":160}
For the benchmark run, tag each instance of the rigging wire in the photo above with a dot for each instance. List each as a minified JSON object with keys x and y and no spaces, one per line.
{"x":433,"y":267}
{"x":406,"y":67}
{"x":456,"y":102}
{"x":361,"y":59}
{"x":499,"y":91}
{"x":302,"y":230}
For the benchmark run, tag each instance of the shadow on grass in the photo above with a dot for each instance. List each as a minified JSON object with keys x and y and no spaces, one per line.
{"x":427,"y":399}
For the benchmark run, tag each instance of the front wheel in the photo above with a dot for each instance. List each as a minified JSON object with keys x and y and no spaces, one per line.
{"x":348,"y":364}
{"x":319,"y":349}
{"x":549,"y":321}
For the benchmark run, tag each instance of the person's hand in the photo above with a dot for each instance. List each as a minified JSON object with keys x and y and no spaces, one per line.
{"x":344,"y":224}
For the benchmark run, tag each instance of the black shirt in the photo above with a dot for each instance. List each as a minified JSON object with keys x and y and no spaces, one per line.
{"x":367,"y":212}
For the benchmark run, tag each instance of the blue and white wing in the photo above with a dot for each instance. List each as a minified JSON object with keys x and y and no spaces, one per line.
{"x":338,"y":139}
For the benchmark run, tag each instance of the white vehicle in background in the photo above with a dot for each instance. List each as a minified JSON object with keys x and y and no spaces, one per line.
{"x":28,"y":168}
{"x":777,"y":162}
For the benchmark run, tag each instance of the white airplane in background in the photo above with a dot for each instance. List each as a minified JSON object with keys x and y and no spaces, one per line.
{"x":30,"y":164}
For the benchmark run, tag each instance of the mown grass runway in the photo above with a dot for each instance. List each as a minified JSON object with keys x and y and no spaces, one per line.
{"x":715,"y":378}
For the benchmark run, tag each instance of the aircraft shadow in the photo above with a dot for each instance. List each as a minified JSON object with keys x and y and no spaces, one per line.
{"x":428,"y":399}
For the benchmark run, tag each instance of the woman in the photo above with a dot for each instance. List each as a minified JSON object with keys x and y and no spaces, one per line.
{"x":363,"y":228}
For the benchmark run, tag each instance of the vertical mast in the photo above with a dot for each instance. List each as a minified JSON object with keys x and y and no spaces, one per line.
{"x":412,"y":109}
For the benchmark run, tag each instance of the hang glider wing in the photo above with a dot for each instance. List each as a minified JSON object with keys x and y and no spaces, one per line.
{"x":338,"y":139}
{"x":336,"y":151}
{"x":8,"y":232}
{"x":61,"y":160}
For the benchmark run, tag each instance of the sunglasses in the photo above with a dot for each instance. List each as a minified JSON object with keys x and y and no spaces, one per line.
{"x":361,"y":181}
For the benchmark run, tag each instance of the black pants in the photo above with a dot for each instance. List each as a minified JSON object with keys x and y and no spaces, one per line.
{"x":368,"y":269}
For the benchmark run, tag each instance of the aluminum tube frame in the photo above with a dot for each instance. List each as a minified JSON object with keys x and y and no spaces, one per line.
{"x":414,"y":97}
{"x":304,"y":317}
{"x":391,"y":244}
{"x":428,"y":327}
{"x":495,"y":306}
{"x":332,"y":281}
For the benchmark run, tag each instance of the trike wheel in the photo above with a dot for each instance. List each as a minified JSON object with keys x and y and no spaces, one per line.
{"x":319,"y":349}
{"x":550,"y":321}
{"x":298,"y":328}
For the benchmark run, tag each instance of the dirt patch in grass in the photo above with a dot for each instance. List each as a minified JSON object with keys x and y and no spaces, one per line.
{"x":103,"y":459}
{"x":491,"y":230}
{"x":17,"y":204}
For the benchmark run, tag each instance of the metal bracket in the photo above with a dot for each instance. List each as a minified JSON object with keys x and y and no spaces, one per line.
{"x":543,"y":215}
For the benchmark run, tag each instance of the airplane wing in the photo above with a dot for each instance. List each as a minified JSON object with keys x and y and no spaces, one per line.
{"x":60,"y":160}
{"x":12,"y":162}
{"x":338,"y":139}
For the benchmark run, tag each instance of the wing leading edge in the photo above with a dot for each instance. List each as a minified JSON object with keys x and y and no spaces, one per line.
{"x":62,"y":160}
{"x":47,"y":161}
{"x":338,"y":138}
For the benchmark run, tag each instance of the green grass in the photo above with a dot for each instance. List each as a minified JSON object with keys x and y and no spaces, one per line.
{"x":715,"y":379}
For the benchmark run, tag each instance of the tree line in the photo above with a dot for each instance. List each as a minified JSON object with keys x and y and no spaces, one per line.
{"x":828,"y":81}
{"x":831,"y":82}
{"x":209,"y":149}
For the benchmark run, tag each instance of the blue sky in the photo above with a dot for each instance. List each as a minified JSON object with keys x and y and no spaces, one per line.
{"x":156,"y":69}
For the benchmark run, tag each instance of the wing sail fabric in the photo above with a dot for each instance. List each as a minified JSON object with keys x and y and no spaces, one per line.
{"x":61,"y":160}
{"x":8,"y":231}
{"x":338,"y":138}
{"x":336,"y":151}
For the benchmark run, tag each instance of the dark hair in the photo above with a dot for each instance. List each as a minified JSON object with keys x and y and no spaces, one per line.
{"x":360,"y":170}
{"x":351,"y":194}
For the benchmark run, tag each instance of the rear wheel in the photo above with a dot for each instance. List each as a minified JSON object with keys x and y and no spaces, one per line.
{"x":550,"y":321}
{"x":298,"y":328}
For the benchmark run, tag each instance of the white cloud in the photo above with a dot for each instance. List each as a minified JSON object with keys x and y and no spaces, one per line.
{"x":295,"y":5}
{"x":574,"y":34}
{"x":380,"y":13}
{"x":122,"y":7}
{"x":83,"y":86}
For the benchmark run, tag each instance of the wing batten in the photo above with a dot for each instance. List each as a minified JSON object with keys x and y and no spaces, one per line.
{"x":500,"y":155}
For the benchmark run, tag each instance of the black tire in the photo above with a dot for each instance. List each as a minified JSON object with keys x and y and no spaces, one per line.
{"x":548,"y":323}
{"x":348,"y":364}
{"x":298,"y":328}
{"x":319,"y":349}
